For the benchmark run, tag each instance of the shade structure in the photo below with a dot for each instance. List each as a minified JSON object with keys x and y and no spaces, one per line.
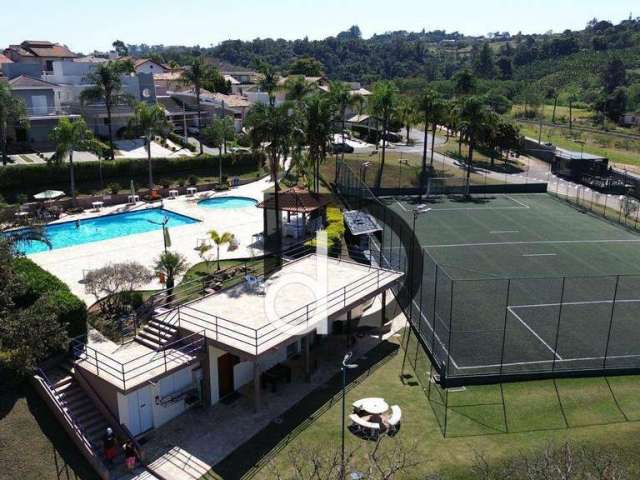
{"x":49,"y":195}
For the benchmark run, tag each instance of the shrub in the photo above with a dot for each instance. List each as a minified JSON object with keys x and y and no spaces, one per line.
{"x":166,"y":183}
{"x":114,"y":187}
{"x":335,"y":231}
{"x":193,"y":179}
{"x":181,"y":182}
{"x":38,"y":283}
{"x":177,"y":139}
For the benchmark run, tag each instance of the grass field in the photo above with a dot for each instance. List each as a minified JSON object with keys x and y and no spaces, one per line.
{"x":598,"y":413}
{"x":523,"y":285}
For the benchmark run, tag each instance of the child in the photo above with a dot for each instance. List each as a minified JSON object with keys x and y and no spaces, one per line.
{"x":129,"y":455}
{"x":109,"y":446}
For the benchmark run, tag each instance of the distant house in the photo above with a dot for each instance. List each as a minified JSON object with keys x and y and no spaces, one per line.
{"x":146,"y":65}
{"x":43,"y":53}
{"x":214,"y":104}
{"x":631,"y":119}
{"x":244,"y":76}
{"x":166,"y":82}
{"x":42,"y":100}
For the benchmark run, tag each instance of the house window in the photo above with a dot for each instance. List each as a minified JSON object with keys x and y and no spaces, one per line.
{"x":48,"y":66}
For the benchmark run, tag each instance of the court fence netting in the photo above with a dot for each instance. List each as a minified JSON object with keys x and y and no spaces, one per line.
{"x":492,"y":330}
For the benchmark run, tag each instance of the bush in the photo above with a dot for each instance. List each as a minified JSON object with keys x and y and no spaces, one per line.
{"x":181,"y":182}
{"x":32,"y":178}
{"x":38,"y":282}
{"x":166,"y":183}
{"x":114,"y":187}
{"x":335,"y":231}
{"x":193,"y":179}
{"x":177,"y":139}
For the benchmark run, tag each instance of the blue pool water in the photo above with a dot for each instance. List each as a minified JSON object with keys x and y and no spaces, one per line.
{"x":228,"y":202}
{"x":67,"y":234}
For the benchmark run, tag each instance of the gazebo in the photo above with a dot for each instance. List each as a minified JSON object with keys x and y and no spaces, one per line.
{"x":304,"y":209}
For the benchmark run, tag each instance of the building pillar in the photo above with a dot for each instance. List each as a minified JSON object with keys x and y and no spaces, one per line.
{"x":256,"y":385}
{"x":307,"y":358}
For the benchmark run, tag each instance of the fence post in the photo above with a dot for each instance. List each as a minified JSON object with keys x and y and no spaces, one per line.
{"x":613,"y":309}
{"x":344,"y":294}
{"x":164,"y":355}
{"x":555,"y":346}
{"x":95,"y":356}
{"x":504,"y":331}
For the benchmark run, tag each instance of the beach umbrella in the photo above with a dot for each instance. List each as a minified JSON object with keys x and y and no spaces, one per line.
{"x":133,"y":190}
{"x":49,"y":195}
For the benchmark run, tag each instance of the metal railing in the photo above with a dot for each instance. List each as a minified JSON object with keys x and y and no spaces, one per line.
{"x":123,"y":373}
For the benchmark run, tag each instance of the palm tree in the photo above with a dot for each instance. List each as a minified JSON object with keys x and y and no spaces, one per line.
{"x":424,"y":105}
{"x":69,"y":136}
{"x":195,"y":76}
{"x":12,"y":111}
{"x":474,"y":116}
{"x":318,"y":112}
{"x":268,"y":82}
{"x":406,"y":114}
{"x":439,"y":115}
{"x":170,"y":264}
{"x":297,"y":88}
{"x":219,"y":240}
{"x":14,"y":236}
{"x":342,"y":99}
{"x":149,"y":121}
{"x":107,"y":87}
{"x":383,"y":104}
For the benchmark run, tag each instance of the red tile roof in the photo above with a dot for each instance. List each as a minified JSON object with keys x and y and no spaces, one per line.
{"x":32,"y":48}
{"x":5,"y":59}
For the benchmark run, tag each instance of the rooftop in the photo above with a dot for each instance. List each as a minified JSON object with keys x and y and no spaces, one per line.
{"x":26,"y":82}
{"x":42,"y":48}
{"x":296,"y":199}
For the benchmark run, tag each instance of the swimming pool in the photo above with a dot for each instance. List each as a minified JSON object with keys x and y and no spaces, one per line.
{"x":228,"y":202}
{"x":68,"y":234}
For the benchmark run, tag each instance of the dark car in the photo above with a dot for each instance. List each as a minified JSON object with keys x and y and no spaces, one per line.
{"x":341,"y":148}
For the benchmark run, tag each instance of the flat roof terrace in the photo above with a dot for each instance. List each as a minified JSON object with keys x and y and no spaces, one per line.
{"x":253,"y":322}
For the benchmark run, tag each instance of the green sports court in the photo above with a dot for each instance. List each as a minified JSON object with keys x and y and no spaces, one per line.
{"x":522,"y":285}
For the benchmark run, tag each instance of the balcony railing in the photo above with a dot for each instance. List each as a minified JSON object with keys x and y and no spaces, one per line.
{"x":136,"y":370}
{"x":48,"y":112}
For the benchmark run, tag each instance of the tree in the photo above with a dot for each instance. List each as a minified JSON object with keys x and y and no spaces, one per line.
{"x":484,"y":64}
{"x":614,"y":75}
{"x":170,"y":264}
{"x":425,"y":105}
{"x":552,"y":93}
{"x":120,"y":48}
{"x":149,"y":121}
{"x":196,"y":76}
{"x":318,"y":112}
{"x":307,"y":66}
{"x":406,"y":113}
{"x":268,"y":82}
{"x":474,"y":116}
{"x":572,"y":97}
{"x":613,"y":105}
{"x":464,"y":83}
{"x":342,"y":99}
{"x":70,"y":136}
{"x":12,"y":112}
{"x":220,"y":239}
{"x":383,"y":103}
{"x":30,"y":335}
{"x":505,"y":67}
{"x":106,"y":82}
{"x":217,"y":135}
{"x":296,"y":88}
{"x":112,"y":281}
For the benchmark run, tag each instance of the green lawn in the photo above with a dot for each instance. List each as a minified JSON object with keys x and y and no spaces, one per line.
{"x":597,"y":412}
{"x":32,"y":443}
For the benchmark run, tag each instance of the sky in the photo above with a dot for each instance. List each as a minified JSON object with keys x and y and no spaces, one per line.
{"x":87,"y":25}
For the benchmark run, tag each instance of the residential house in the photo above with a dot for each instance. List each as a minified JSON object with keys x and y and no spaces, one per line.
{"x":4,"y":60}
{"x":244,"y":76}
{"x":42,"y":53}
{"x":214,"y":105}
{"x":166,"y":82}
{"x":146,"y":65}
{"x":42,"y":100}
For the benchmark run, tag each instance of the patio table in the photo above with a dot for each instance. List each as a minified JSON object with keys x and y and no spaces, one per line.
{"x":374,"y":406}
{"x":191,"y":191}
{"x":173,"y":194}
{"x":97,"y":205}
{"x":134,"y":198}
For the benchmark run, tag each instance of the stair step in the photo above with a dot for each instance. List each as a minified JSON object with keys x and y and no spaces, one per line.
{"x":80,"y":407}
{"x":63,"y":384}
{"x":72,"y":394}
{"x":157,"y":332}
{"x":147,"y":343}
{"x":159,"y":324}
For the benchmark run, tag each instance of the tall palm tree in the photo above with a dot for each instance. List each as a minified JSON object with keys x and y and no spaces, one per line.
{"x":107,"y":87}
{"x":12,"y":112}
{"x":474,"y":116}
{"x":149,"y":121}
{"x":406,"y":114}
{"x":439,"y":116}
{"x":383,"y":103}
{"x":425,"y":106}
{"x":195,"y":76}
{"x":170,"y":264}
{"x":318,"y":112}
{"x":68,"y":137}
{"x":296,"y":88}
{"x":219,"y":239}
{"x":342,"y":99}
{"x":268,"y":82}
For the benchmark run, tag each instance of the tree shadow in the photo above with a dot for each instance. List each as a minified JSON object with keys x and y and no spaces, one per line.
{"x":259,"y":449}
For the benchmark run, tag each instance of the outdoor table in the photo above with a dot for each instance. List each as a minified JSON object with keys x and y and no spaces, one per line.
{"x":374,"y":406}
{"x":191,"y":191}
{"x":173,"y":194}
{"x":97,"y":205}
{"x":134,"y":198}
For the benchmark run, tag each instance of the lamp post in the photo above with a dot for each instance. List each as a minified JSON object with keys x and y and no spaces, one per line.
{"x":345,"y":366}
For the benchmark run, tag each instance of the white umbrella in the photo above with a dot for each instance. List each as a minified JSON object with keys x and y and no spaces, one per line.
{"x":48,"y":195}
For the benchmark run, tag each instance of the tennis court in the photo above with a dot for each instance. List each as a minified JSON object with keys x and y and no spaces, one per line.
{"x":522,"y":285}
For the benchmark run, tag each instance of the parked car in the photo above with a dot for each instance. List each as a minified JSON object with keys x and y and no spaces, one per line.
{"x":341,"y":148}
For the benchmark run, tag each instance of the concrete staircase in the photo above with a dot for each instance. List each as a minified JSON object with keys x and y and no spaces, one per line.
{"x":156,"y":334}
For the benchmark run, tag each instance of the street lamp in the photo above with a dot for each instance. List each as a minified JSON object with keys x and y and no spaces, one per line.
{"x":345,"y":366}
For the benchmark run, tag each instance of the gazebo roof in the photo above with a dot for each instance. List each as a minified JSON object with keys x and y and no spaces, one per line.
{"x":296,"y":200}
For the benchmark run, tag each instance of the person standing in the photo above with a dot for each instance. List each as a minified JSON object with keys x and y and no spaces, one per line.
{"x":109,"y":446}
{"x":129,"y":455}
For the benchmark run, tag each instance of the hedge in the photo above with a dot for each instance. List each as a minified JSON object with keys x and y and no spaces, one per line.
{"x":38,"y":282}
{"x":31,"y":179}
{"x":335,"y":231}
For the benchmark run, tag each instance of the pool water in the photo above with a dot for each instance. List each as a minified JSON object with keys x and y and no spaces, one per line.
{"x":94,"y":229}
{"x":228,"y":202}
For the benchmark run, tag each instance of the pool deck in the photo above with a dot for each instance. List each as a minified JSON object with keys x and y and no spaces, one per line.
{"x":71,"y":263}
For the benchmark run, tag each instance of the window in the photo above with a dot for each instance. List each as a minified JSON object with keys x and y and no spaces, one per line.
{"x":39,"y":104}
{"x":48,"y":66}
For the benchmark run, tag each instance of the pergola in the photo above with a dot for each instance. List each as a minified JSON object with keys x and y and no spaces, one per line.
{"x":298,"y":200}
